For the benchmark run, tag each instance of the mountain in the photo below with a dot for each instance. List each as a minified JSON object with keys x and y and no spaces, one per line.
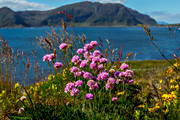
{"x":84,"y":14}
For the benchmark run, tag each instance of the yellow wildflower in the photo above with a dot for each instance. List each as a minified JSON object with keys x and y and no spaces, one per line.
{"x":120,"y":93}
{"x":17,"y":85}
{"x":141,"y":106}
{"x":51,"y":76}
{"x":172,"y":81}
{"x":160,"y":81}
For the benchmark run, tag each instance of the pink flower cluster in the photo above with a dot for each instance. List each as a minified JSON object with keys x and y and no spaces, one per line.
{"x":70,"y":87}
{"x":63,"y":46}
{"x":89,"y":65}
{"x":49,"y":57}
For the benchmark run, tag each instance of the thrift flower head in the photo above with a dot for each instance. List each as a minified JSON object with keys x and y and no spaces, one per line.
{"x":58,"y":65}
{"x":94,"y":43}
{"x":108,"y":86}
{"x":93,"y":65}
{"x":89,"y":96}
{"x":97,"y":53}
{"x":63,"y":46}
{"x":128,"y":73}
{"x":105,"y":75}
{"x":114,"y":99}
{"x":83,"y":64}
{"x":103,"y":60}
{"x":100,"y":66}
{"x":80,"y":51}
{"x":74,"y":69}
{"x":52,"y":56}
{"x":92,"y":85}
{"x":131,"y":82}
{"x":76,"y":59}
{"x":87,"y":75}
{"x":86,"y":55}
{"x":46,"y":57}
{"x":69,"y":87}
{"x":95,"y":59}
{"x":49,"y":57}
{"x":79,"y":83}
{"x":116,"y":74}
{"x":124,"y":66}
{"x":88,"y":47}
{"x":74,"y":92}
{"x":78,"y":74}
{"x":122,"y":74}
{"x":111,"y":81}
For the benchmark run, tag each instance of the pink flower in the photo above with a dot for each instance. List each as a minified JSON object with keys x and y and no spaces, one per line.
{"x":128,"y":73}
{"x":74,"y":92}
{"x":87,"y":75}
{"x":63,"y":46}
{"x":124,"y":66}
{"x":76,"y":60}
{"x":80,"y":51}
{"x":88,"y":47}
{"x":97,"y":53}
{"x":78,"y":74}
{"x":100,"y":66}
{"x":46,"y":57}
{"x":122,"y":74}
{"x":103,"y":76}
{"x":83,"y":64}
{"x":111,"y":81}
{"x":49,"y":57}
{"x":74,"y":69}
{"x":95,"y":59}
{"x":69,"y":87}
{"x":90,"y":83}
{"x":94,"y":43}
{"x":103,"y":60}
{"x":79,"y":83}
{"x":89,"y":96}
{"x":86,"y":55}
{"x":108,"y":86}
{"x":52,"y":56}
{"x":131,"y":82}
{"x":58,"y":65}
{"x":114,"y":99}
{"x":93,"y":65}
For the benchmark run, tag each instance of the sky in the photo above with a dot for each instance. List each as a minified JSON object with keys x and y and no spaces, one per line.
{"x":161,"y":10}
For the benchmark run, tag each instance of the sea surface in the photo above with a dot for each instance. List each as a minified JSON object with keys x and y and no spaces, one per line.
{"x":133,"y":39}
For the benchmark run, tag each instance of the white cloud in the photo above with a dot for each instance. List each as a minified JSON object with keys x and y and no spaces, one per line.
{"x":18,"y":5}
{"x":165,"y":16}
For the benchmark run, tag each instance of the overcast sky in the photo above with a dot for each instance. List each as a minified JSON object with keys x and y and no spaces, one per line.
{"x":161,"y":10}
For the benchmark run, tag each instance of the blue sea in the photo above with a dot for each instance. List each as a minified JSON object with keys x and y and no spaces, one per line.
{"x":133,"y":39}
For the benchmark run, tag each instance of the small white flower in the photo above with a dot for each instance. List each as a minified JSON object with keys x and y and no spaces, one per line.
{"x":23,"y":98}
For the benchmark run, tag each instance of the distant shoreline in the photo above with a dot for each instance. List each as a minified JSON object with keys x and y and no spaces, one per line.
{"x":11,"y":27}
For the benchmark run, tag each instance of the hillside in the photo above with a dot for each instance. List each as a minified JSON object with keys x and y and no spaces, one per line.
{"x":84,"y":13}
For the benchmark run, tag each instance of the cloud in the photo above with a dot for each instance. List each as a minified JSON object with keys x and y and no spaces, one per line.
{"x":165,"y":16}
{"x":18,"y":5}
